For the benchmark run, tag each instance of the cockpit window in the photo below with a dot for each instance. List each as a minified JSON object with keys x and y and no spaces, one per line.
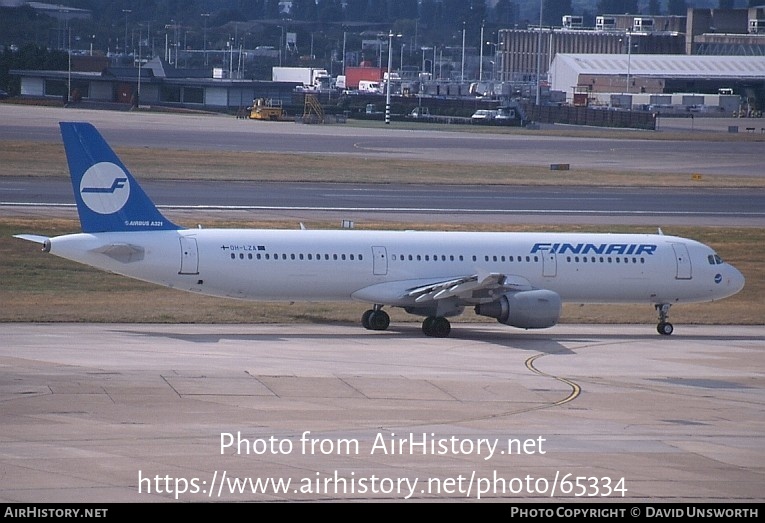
{"x":714,"y":259}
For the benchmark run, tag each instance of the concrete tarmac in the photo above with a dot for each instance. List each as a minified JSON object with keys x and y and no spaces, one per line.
{"x":158,"y":413}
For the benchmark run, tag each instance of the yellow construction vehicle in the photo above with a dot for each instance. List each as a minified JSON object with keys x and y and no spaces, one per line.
{"x":267,"y":109}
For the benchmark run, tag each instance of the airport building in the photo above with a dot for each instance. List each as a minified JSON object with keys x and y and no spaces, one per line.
{"x":156,"y":83}
{"x":583,"y":77}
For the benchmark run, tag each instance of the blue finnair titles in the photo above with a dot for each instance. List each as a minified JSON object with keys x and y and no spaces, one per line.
{"x":631,"y":249}
{"x":108,"y":197}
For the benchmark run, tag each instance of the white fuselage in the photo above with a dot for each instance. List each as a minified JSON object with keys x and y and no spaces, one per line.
{"x":319,"y":265}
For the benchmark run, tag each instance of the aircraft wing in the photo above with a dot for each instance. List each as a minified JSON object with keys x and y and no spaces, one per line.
{"x":470,"y":288}
{"x":475,"y":288}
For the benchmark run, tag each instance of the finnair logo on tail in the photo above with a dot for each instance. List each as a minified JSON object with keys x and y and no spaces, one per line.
{"x":105,"y":188}
{"x":119,"y":183}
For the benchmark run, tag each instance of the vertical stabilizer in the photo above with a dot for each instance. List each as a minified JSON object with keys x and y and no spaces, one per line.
{"x":108,"y":197}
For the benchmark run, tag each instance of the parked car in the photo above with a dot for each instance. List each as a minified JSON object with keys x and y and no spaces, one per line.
{"x":484,"y":115}
{"x":3,"y":95}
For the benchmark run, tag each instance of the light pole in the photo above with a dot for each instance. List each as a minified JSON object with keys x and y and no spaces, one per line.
{"x":480,"y":60}
{"x":539,"y":56}
{"x":281,"y":42}
{"x":389,"y":82}
{"x":629,"y":57}
{"x":343,"y":52}
{"x":462,"y":73}
{"x":127,"y":12}
{"x":493,"y":62}
{"x":138,"y":94}
{"x":204,"y":44}
{"x":390,"y":65}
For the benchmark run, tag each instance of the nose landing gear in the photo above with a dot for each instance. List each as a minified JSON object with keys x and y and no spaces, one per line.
{"x":664,"y":327}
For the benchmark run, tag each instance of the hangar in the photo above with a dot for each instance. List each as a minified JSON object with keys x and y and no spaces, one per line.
{"x":658,"y":74}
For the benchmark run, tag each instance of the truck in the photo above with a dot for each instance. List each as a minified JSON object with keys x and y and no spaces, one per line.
{"x":368,"y":86}
{"x":354,"y":75}
{"x":309,"y":77}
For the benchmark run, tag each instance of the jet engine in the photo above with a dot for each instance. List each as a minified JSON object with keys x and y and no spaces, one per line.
{"x":537,"y":309}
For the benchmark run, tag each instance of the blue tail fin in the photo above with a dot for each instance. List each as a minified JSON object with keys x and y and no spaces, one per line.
{"x":108,"y":197}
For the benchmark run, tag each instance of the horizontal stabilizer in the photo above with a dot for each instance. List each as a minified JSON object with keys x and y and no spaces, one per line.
{"x":32,"y":238}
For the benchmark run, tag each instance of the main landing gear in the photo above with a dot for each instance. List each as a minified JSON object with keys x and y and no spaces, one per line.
{"x":376,"y":319}
{"x":436,"y":326}
{"x":664,"y":327}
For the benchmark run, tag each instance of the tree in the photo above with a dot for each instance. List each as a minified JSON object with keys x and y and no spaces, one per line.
{"x":330,"y":11}
{"x":553,"y":11}
{"x":618,"y":7}
{"x":304,"y":10}
{"x":506,"y":13}
{"x":677,"y":7}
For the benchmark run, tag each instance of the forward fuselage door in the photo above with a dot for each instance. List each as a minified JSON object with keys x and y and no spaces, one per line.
{"x":189,"y":256}
{"x":683,"y":260}
{"x":549,"y":264}
{"x":379,"y":261}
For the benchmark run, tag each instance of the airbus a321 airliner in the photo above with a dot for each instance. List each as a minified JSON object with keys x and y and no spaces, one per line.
{"x":520,"y":279}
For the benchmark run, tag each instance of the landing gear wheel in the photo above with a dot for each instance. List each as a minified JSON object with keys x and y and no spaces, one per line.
{"x":436,"y":326}
{"x":378,"y":320}
{"x":365,"y":319}
{"x":427,"y":325}
{"x":665,"y":328}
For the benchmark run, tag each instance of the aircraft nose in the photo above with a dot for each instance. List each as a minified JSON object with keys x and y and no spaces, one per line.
{"x":733,"y":281}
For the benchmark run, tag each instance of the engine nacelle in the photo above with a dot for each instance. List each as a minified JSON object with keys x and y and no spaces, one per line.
{"x":536,"y":309}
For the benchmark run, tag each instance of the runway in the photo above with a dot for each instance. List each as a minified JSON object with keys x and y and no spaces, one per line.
{"x":145,"y":413}
{"x":490,"y":203}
